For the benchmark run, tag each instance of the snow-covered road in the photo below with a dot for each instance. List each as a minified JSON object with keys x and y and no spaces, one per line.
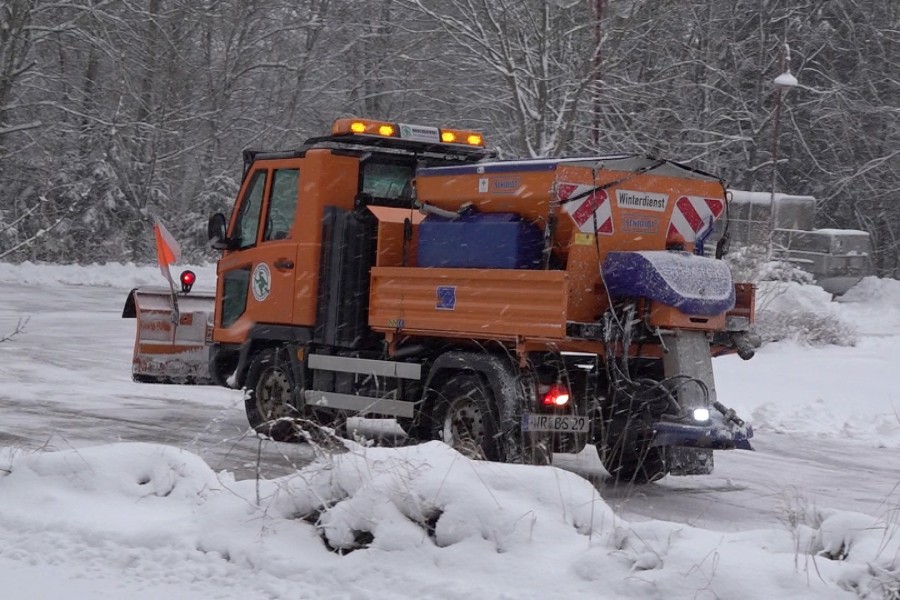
{"x":65,"y":383}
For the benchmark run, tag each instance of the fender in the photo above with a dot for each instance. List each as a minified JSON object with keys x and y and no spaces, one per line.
{"x":260,"y":336}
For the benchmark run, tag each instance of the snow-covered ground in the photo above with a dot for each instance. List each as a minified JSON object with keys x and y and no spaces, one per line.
{"x":112,"y":489}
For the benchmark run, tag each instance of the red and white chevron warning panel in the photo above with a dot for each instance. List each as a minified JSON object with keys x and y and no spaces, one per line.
{"x":694,"y":215}
{"x":590,"y":211}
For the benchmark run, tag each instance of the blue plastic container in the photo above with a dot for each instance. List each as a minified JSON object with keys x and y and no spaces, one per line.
{"x":479,"y":241}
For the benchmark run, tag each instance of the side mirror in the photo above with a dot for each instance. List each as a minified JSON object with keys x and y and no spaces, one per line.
{"x":216,"y":230}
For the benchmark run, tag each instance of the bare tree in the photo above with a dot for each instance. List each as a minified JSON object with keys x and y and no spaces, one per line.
{"x":16,"y":39}
{"x":113,"y":111}
{"x":527,"y":65}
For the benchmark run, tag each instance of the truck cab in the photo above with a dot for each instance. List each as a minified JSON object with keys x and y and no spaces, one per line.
{"x":270,"y":278}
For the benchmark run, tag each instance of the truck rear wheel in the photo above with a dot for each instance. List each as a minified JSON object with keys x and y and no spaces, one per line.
{"x":268,"y":400}
{"x":634,"y":462}
{"x":465,"y":417}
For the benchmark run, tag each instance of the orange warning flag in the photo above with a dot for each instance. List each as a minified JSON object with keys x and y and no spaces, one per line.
{"x":167,"y":249}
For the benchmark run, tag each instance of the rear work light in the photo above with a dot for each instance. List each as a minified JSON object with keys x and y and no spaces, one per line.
{"x":557,"y":395}
{"x":407,"y":131}
{"x":700,"y":414}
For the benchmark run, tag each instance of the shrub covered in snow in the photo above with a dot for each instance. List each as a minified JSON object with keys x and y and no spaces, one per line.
{"x":804,"y":313}
{"x":752,"y":263}
{"x":789,"y":306}
{"x":865,"y":549}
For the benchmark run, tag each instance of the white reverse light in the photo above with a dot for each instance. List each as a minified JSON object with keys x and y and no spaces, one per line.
{"x":701,"y":414}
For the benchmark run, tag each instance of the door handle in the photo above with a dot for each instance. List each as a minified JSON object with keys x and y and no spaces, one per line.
{"x":283,"y":264}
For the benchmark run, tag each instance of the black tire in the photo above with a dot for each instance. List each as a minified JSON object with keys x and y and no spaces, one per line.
{"x":465,"y":417}
{"x":268,"y":400}
{"x":633,"y":462}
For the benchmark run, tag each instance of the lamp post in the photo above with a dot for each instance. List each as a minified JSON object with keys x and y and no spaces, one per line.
{"x":783,"y":83}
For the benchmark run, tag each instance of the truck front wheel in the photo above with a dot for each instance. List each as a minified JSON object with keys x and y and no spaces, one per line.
{"x":268,"y":396}
{"x":465,"y":417}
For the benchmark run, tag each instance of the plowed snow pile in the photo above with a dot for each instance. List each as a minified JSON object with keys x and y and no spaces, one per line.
{"x":803,"y":384}
{"x":420,"y":522}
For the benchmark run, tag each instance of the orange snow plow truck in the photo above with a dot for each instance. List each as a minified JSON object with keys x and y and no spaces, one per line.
{"x":511,"y":308}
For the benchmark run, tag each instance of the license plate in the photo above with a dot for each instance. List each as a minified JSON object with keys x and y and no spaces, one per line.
{"x":556,"y":423}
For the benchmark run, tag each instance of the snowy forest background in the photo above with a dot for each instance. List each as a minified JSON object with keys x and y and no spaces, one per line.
{"x":116,"y":111}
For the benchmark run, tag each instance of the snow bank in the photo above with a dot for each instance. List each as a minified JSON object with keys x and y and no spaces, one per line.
{"x":116,"y":275}
{"x":800,"y":312}
{"x":870,"y":548}
{"x":804,"y":385}
{"x":881,"y":293}
{"x":419,"y":522}
{"x":873,"y":305}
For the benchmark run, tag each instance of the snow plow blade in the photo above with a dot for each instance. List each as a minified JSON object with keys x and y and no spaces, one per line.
{"x":166,"y":349}
{"x":719,"y":434}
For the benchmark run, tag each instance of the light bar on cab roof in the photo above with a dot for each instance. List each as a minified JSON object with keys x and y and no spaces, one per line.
{"x":406,"y":131}
{"x":458,"y":136}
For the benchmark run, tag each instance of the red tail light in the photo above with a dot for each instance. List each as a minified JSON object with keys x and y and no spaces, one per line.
{"x":557,"y":396}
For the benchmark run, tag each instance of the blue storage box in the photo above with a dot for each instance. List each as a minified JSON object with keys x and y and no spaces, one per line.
{"x":479,"y":241}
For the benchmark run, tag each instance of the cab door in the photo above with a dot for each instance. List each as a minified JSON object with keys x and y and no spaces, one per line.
{"x":256,"y":279}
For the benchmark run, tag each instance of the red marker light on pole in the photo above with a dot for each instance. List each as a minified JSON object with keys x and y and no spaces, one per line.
{"x":187,"y":280}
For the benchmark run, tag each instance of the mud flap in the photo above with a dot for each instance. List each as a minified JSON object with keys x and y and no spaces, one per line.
{"x":166,"y":349}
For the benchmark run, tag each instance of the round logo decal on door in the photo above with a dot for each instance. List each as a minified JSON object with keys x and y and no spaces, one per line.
{"x":261,"y":282}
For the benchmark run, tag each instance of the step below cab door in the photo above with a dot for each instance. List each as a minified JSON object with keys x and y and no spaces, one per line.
{"x":256,"y":279}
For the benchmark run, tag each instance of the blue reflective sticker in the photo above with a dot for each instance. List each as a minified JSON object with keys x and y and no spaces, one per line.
{"x":446,"y":297}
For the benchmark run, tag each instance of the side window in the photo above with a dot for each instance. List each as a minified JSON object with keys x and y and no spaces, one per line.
{"x":386,"y":180}
{"x":248,"y":217}
{"x":282,"y":205}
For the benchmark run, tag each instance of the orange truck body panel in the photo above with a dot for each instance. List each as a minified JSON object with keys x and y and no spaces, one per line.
{"x":476,"y":303}
{"x":391,"y":250}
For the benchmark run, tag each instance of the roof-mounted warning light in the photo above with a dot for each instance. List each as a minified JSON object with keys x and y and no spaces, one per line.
{"x":458,"y":136}
{"x":407,"y":131}
{"x":363,"y":127}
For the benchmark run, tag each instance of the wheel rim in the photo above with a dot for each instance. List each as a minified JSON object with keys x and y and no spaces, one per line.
{"x":273,"y":395}
{"x":464,"y":428}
